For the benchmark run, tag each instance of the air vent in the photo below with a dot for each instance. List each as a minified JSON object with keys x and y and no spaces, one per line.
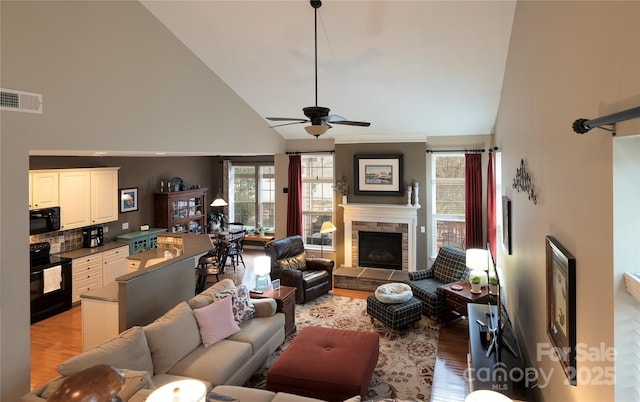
{"x":20,"y":101}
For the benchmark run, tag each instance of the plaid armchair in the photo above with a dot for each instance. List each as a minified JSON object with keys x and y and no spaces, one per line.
{"x":450,"y":266}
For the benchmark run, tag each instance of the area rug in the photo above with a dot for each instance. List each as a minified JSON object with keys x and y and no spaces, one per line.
{"x":407,"y":357}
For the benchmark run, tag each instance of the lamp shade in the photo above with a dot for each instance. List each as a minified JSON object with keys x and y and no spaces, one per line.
{"x":180,"y":391}
{"x":485,"y":395}
{"x":262,"y":265}
{"x":327,"y":227}
{"x":219,"y":202}
{"x":477,"y":258}
{"x":316,"y":129}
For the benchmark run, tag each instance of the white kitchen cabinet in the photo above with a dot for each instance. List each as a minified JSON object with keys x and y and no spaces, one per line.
{"x":88,"y":197}
{"x":43,"y":189}
{"x":104,"y":195}
{"x":87,"y":275}
{"x":75,"y":198}
{"x":133,"y":265}
{"x":114,"y":264}
{"x":99,"y":316}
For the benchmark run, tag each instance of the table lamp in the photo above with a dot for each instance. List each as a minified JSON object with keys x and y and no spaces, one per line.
{"x":327,"y":227}
{"x":485,"y":395}
{"x":180,"y":391}
{"x":477,"y":261}
{"x":262,"y":269}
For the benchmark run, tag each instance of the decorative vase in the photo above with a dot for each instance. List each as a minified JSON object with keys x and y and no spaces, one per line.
{"x":344,"y":198}
{"x":493,"y":289}
{"x":476,"y":288}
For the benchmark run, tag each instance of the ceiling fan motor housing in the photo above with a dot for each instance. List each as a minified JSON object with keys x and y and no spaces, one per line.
{"x":317,"y":114}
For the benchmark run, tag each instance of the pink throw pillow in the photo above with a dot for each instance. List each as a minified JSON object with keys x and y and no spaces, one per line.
{"x":216,"y":321}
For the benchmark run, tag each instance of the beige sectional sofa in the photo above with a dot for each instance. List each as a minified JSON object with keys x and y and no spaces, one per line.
{"x":171,"y":349}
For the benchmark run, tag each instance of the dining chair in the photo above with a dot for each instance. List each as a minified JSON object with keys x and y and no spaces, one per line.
{"x":236,"y":247}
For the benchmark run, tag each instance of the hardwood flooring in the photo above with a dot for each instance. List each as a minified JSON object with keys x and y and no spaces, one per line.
{"x":57,"y":338}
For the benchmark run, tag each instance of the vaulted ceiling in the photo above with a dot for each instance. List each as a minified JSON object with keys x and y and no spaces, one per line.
{"x":411,"y":68}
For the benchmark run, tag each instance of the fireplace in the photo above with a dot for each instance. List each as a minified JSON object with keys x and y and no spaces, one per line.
{"x":380,"y":250}
{"x":381,"y":218}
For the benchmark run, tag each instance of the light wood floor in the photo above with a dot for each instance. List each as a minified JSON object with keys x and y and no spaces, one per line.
{"x":57,"y":338}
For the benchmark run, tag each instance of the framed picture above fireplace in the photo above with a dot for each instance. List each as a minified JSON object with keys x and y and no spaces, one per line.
{"x":378,"y":174}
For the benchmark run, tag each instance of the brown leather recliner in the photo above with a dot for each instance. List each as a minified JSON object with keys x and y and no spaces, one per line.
{"x":312,"y":277}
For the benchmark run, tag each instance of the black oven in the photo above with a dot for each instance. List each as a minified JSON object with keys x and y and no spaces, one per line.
{"x":44,"y":220}
{"x":50,"y":282}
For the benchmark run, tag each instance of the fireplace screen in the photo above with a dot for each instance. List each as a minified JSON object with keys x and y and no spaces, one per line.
{"x":380,"y":250}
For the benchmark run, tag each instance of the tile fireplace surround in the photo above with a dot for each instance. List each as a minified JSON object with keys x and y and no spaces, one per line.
{"x":381,"y":218}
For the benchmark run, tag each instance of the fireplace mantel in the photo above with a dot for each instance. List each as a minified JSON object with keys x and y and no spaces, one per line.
{"x":381,"y":213}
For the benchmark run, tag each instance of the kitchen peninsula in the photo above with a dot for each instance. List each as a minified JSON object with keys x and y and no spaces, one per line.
{"x":139,"y":297}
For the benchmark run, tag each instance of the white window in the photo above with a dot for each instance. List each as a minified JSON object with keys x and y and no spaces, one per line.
{"x":252,"y":195}
{"x":317,"y":198}
{"x":448,"y":203}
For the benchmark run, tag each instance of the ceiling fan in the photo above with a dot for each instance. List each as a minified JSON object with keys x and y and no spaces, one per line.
{"x":318,"y":116}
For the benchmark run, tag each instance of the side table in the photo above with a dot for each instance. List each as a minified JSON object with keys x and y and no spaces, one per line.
{"x":285,"y":298}
{"x":455,"y":301}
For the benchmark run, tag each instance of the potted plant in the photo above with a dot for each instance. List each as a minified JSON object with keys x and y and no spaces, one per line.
{"x":476,"y":284}
{"x":259,"y":229}
{"x":216,"y":221}
{"x":493,"y":285}
{"x":342,"y":187}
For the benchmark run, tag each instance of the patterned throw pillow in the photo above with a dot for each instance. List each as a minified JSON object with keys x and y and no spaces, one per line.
{"x":243,"y":309}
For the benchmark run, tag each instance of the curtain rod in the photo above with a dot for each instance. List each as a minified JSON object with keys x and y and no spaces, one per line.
{"x":582,"y":126}
{"x":461,"y":150}
{"x":309,"y":152}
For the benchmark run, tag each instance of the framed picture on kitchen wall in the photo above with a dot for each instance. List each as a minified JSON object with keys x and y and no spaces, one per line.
{"x":129,"y":199}
{"x":378,"y":174}
{"x":561,"y":305}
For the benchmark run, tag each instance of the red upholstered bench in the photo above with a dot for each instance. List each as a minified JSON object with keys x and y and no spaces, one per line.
{"x":326,"y":363}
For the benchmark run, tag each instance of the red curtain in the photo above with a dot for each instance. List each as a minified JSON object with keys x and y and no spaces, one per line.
{"x":294,"y":200}
{"x":473,"y":200}
{"x":491,"y":207}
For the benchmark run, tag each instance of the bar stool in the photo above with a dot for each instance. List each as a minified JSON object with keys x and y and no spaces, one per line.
{"x":211,"y":263}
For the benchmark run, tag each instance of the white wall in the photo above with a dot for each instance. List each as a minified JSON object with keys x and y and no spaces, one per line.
{"x":112,"y":78}
{"x":567,"y":60}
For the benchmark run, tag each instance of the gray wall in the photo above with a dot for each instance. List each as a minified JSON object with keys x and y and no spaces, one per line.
{"x":113,"y":79}
{"x":568,"y":60}
{"x":415,"y":170}
{"x":146,"y":174}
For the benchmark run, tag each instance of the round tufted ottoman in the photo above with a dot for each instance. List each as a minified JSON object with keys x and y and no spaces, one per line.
{"x":326,"y":363}
{"x":394,"y":315}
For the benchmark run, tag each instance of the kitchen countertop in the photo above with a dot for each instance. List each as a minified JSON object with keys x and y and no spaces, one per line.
{"x":193,"y":244}
{"x":85,"y":252}
{"x":107,"y":293}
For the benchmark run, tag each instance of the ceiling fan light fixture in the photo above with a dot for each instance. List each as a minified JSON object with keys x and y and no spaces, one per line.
{"x":316,"y":130}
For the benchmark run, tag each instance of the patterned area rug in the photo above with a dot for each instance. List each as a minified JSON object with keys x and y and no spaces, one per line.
{"x":407,"y":357}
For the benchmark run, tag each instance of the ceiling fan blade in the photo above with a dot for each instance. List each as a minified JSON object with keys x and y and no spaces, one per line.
{"x":286,"y":119}
{"x":352,"y":123}
{"x":288,"y":124}
{"x":334,"y":118}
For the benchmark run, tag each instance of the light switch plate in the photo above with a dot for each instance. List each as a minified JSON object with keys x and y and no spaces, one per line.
{"x":125,"y":225}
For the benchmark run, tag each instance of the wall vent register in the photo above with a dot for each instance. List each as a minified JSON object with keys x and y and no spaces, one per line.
{"x":20,"y":101}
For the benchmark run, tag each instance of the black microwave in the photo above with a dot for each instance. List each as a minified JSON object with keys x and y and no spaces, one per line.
{"x":44,"y":220}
